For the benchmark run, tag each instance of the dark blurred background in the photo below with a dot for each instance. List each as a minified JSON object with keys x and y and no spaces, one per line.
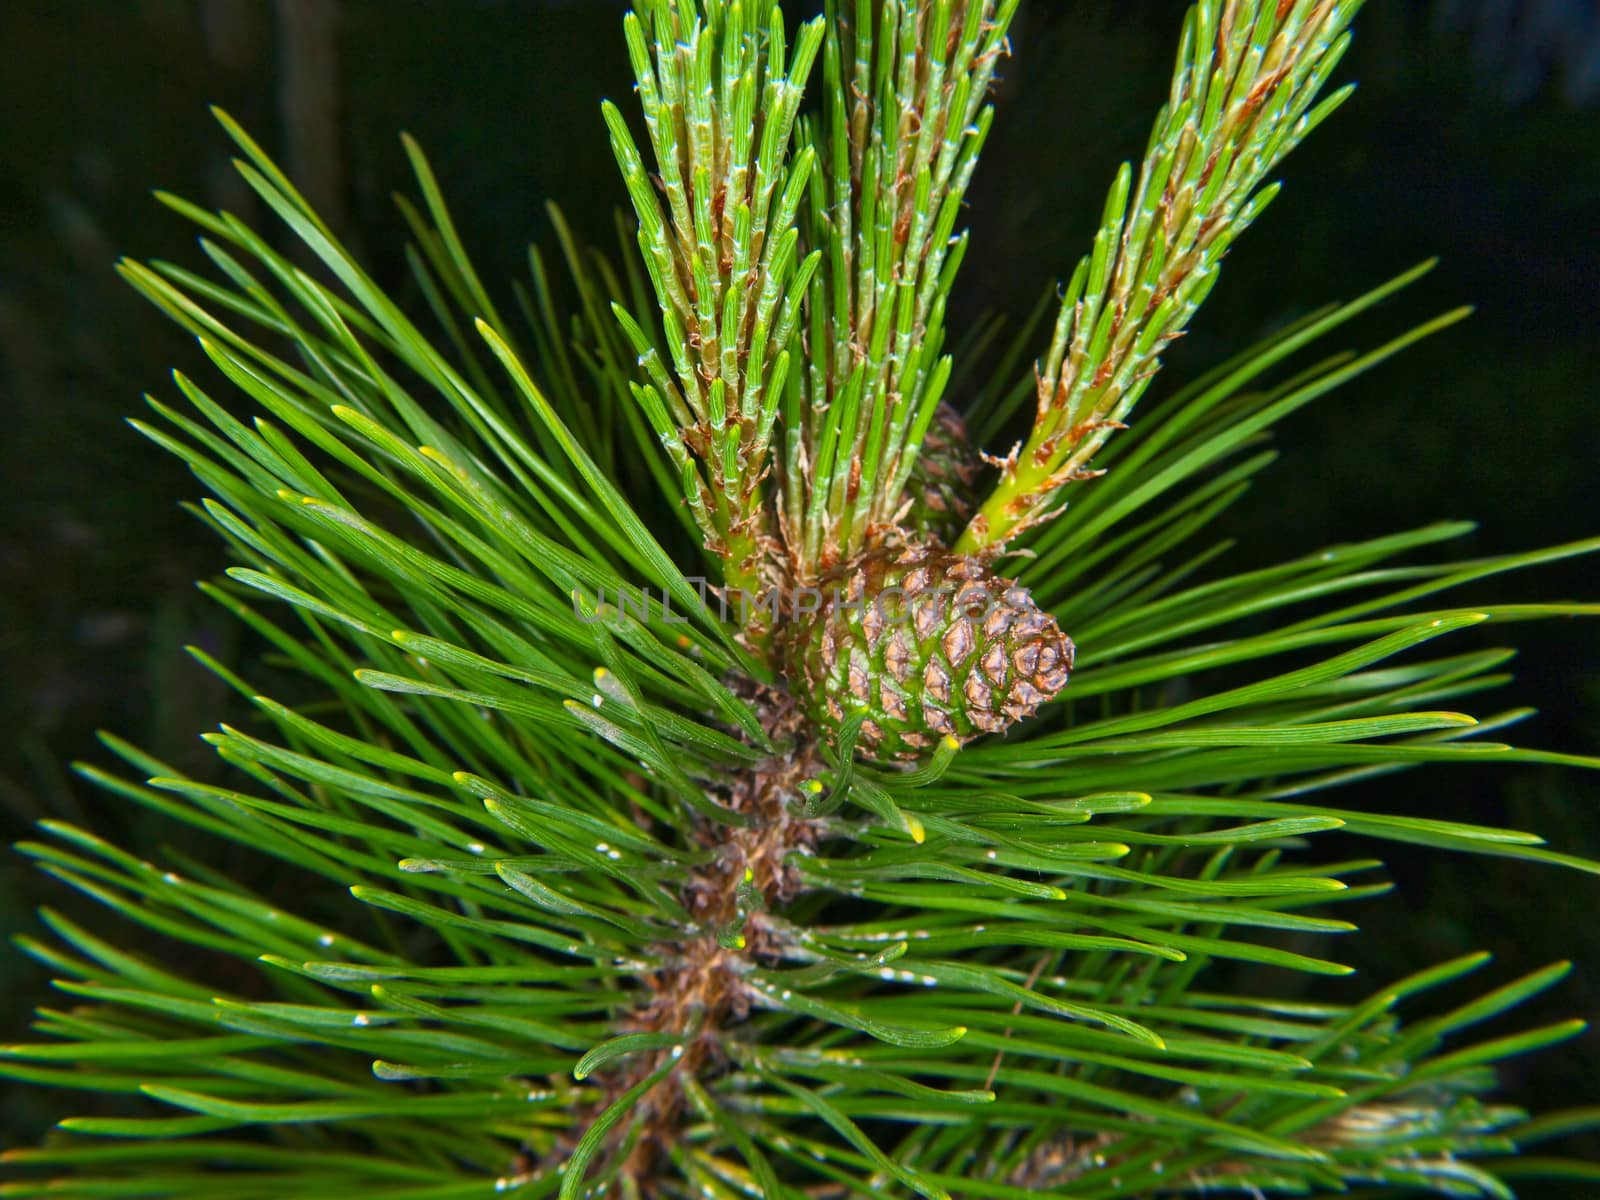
{"x":1474,"y":135}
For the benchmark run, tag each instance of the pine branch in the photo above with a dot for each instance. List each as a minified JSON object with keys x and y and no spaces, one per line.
{"x":720,"y":96}
{"x":1244,"y":93}
{"x":905,"y":116}
{"x":574,"y":896}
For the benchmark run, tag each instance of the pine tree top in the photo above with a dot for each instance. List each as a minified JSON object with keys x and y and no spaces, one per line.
{"x":611,"y":879}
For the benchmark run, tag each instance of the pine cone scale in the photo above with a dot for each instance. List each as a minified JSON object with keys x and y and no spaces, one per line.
{"x":943,"y":479}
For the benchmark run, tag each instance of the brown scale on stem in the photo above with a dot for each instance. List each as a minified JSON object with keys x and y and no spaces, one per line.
{"x":699,"y":991}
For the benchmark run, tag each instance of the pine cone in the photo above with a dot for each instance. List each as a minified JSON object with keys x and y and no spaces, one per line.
{"x":942,"y":479}
{"x":925,"y":644}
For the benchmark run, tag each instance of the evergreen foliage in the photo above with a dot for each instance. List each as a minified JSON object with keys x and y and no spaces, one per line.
{"x":599,"y":899}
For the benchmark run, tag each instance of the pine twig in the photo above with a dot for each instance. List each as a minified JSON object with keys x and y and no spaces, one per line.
{"x":1244,"y":94}
{"x":720,"y":94}
{"x":905,"y":116}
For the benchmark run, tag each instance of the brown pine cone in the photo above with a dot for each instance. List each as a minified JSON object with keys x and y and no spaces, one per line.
{"x":925,"y":644}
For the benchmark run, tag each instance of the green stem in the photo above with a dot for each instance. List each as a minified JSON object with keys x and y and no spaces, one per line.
{"x":1016,"y":497}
